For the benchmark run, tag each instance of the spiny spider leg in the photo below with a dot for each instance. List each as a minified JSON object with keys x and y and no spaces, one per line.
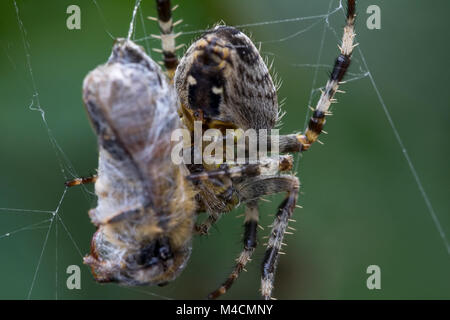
{"x":275,"y":242}
{"x":302,"y":142}
{"x":248,"y":170}
{"x":341,"y":65}
{"x":225,"y":176}
{"x":250,"y":227}
{"x":167,"y":36}
{"x":315,"y":126}
{"x":250,"y":194}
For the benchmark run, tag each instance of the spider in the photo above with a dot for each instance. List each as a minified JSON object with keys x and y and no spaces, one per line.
{"x":147,"y":205}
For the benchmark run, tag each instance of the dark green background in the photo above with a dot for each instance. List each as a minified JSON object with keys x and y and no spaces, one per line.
{"x":361,"y":203}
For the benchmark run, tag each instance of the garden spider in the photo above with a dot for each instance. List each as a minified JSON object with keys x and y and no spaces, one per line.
{"x":148,"y":205}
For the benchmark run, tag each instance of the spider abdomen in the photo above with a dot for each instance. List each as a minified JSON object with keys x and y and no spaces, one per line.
{"x":222,"y":77}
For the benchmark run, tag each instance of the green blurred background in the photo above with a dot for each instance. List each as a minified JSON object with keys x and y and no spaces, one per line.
{"x":361,"y":203}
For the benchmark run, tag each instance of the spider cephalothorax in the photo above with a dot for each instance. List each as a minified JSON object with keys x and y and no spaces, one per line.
{"x":147,"y":204}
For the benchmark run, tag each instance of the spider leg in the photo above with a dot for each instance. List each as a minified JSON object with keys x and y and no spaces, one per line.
{"x":226,"y":176}
{"x":270,"y":185}
{"x":341,"y":65}
{"x":250,"y":226}
{"x":167,"y":36}
{"x":247,"y":170}
{"x":265,"y":166}
{"x":275,"y":242}
{"x":302,"y":142}
{"x":225,"y":195}
{"x":222,"y":180}
{"x":79,"y":181}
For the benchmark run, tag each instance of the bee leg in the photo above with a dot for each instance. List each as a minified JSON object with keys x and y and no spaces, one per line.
{"x":250,"y":225}
{"x":79,"y":181}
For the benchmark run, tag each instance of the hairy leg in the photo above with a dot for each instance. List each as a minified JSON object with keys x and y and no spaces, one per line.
{"x":302,"y":142}
{"x":250,"y":227}
{"x":167,"y":36}
{"x":217,"y":186}
{"x":269,"y":185}
{"x":224,"y":178}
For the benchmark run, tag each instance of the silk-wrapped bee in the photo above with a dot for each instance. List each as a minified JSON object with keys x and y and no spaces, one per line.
{"x":147,"y":205}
